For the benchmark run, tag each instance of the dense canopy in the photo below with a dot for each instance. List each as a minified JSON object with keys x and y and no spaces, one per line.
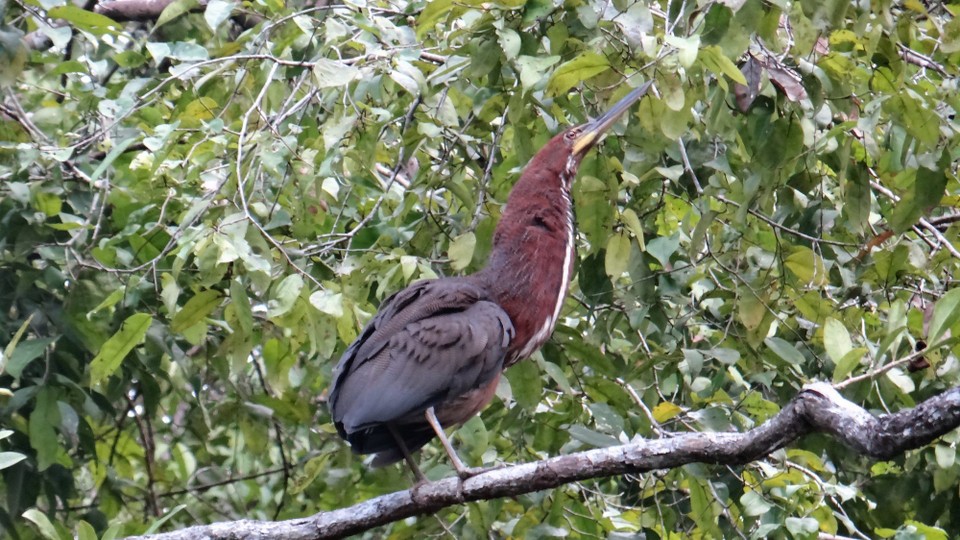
{"x":201,"y":207}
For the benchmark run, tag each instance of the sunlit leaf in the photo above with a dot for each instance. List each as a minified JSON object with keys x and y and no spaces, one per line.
{"x":112,"y":353}
{"x":195,"y":310}
{"x":575,"y":71}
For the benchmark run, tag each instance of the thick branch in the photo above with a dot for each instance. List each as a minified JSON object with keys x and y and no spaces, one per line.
{"x":150,"y":10}
{"x":818,"y":408}
{"x":134,"y":10}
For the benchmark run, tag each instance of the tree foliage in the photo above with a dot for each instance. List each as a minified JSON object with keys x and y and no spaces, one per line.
{"x":199,"y":213}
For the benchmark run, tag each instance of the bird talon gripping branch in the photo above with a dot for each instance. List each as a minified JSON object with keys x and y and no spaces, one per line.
{"x":433,"y":354}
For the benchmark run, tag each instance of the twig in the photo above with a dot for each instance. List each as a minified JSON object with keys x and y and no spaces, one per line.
{"x":784,"y":228}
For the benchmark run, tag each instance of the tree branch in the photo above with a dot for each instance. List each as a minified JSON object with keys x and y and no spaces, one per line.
{"x":818,"y":408}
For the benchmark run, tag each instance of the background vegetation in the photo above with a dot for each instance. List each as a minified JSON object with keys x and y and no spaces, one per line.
{"x":199,"y":213}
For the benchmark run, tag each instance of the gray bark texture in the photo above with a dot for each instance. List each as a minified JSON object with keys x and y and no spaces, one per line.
{"x":817,"y":408}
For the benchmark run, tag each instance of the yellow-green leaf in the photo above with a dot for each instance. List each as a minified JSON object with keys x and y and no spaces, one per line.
{"x":131,"y":333}
{"x":618,"y":255}
{"x":86,"y":20}
{"x":712,"y":58}
{"x":945,"y":314}
{"x":461,"y":250}
{"x":328,"y":302}
{"x":572,"y":73}
{"x":632,"y":221}
{"x":175,"y":10}
{"x":848,"y":363}
{"x":198,"y":307}
{"x":836,"y":340}
{"x":665,"y":411}
{"x":42,"y":523}
{"x":807,"y":266}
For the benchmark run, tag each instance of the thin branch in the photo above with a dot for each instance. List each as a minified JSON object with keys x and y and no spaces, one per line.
{"x":784,"y":228}
{"x":818,"y":408}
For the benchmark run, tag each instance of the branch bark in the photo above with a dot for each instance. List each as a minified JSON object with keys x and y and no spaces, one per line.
{"x":817,"y":408}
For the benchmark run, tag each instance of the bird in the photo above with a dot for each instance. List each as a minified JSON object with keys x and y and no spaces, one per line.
{"x":433,"y":354}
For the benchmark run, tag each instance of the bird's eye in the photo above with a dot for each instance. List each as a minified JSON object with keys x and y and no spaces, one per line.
{"x":571,"y":135}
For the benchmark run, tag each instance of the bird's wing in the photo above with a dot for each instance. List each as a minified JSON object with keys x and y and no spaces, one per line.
{"x":431,"y":342}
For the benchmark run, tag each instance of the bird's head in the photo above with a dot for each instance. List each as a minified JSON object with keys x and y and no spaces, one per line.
{"x":565,"y":151}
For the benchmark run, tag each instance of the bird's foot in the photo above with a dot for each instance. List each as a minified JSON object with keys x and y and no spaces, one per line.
{"x":470,"y":472}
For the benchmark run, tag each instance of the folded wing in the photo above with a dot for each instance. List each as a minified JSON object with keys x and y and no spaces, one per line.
{"x":430,"y":345}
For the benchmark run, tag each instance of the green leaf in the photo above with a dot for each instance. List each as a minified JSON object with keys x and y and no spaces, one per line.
{"x":754,"y":504}
{"x":130,"y":59}
{"x":409,"y":77}
{"x":666,"y":410}
{"x":533,"y":68}
{"x":108,"y":302}
{"x":461,"y":250}
{"x":807,"y":266}
{"x":926,"y":531}
{"x":8,"y":350}
{"x":857,"y":201}
{"x":285,"y":295}
{"x":785,"y":350}
{"x":584,"y":66}
{"x":928,"y":189}
{"x":662,"y":248}
{"x":155,"y":526}
{"x":43,"y":421}
{"x":632,"y":221}
{"x":945,"y":315}
{"x":329,"y":302}
{"x":174,"y":10}
{"x":94,"y":23}
{"x":836,"y":340}
{"x":178,"y":50}
{"x":42,"y":523}
{"x":901,"y":380}
{"x":242,"y":309}
{"x":526,"y":384}
{"x":308,"y":473}
{"x":9,"y":459}
{"x":432,"y":13}
{"x":48,"y":203}
{"x":848,"y":363}
{"x":554,"y":372}
{"x":27,"y":352}
{"x":687,"y":48}
{"x":802,"y":527}
{"x":946,"y":455}
{"x":618,"y":255}
{"x":111,"y":156}
{"x":509,"y":42}
{"x":112,"y":353}
{"x":195,"y":310}
{"x":333,"y":73}
{"x":591,"y":437}
{"x":712,"y":58}
{"x":217,"y":12}
{"x":85,"y":531}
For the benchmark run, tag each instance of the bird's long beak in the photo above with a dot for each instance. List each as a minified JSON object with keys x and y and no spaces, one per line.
{"x":594,"y":131}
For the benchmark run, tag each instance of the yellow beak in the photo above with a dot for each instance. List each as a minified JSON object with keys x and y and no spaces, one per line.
{"x":593,"y":131}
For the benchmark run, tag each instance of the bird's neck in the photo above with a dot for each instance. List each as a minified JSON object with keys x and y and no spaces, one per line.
{"x":531,"y":262}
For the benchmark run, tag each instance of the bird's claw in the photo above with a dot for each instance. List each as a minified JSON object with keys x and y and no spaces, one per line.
{"x":470,"y":472}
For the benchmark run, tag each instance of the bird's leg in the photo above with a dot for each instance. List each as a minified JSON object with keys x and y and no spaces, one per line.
{"x":463,"y":471}
{"x":406,"y":454}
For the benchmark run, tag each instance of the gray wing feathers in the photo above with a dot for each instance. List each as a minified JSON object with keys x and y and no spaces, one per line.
{"x":433,"y":341}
